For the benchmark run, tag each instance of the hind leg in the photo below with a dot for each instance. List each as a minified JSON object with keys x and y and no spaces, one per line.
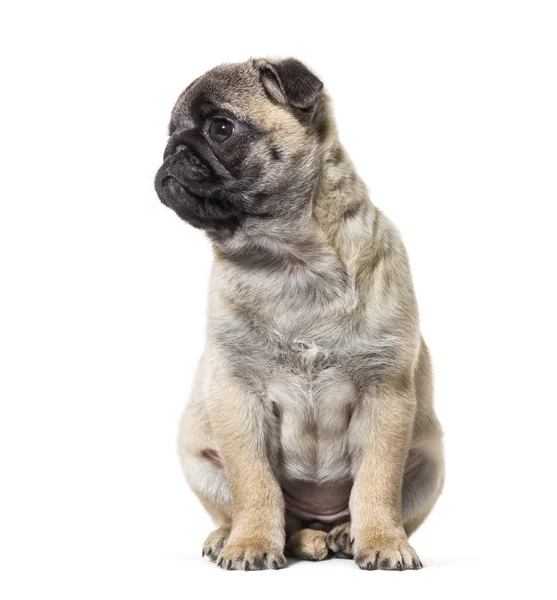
{"x":207,"y":480}
{"x":420,"y":491}
{"x":215,"y":542}
{"x":204,"y":473}
{"x":424,"y":471}
{"x":339,"y":540}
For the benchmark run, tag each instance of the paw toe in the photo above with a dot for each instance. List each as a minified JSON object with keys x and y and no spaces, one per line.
{"x":309,"y":544}
{"x":249,"y":558}
{"x":339,"y":540}
{"x":215,"y":543}
{"x":388,"y":559}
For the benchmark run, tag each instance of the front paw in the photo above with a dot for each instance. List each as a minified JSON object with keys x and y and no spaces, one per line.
{"x":250,"y":556}
{"x":388,"y":554}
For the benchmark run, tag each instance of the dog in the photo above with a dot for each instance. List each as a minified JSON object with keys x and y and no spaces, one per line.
{"x":310,"y":428}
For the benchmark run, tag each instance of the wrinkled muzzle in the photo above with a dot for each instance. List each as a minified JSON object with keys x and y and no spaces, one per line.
{"x":193,"y":183}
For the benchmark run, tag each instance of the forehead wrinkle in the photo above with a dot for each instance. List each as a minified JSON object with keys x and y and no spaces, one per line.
{"x":238,"y":113}
{"x":278,"y":121}
{"x":183,"y":114}
{"x":224,"y":83}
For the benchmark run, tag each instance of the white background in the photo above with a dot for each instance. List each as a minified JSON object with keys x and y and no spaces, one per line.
{"x":448,"y":110}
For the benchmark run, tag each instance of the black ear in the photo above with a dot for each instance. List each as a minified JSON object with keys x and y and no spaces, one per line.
{"x":289,"y":81}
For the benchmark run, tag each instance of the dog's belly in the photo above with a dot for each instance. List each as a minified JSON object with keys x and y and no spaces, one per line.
{"x":313,"y":415}
{"x":325,"y":502}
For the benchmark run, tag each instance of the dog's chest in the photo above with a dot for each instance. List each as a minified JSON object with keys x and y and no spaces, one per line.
{"x":313,"y":399}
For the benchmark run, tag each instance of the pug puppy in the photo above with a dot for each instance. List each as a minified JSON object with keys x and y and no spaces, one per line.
{"x":310,"y":425}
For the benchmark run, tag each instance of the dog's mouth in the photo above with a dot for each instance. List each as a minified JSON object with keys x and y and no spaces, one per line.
{"x":201,"y":197}
{"x":200,"y":203}
{"x":172,"y":190}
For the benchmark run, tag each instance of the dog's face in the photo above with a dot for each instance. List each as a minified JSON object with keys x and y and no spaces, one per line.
{"x":244,"y":142}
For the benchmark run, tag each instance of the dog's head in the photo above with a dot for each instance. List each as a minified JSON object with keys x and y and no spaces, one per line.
{"x":244,"y":142}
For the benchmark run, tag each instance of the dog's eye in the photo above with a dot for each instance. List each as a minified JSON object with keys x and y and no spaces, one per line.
{"x":221,"y":130}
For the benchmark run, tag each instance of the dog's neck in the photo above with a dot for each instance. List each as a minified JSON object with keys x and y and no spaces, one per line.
{"x":338,"y":217}
{"x":313,"y":259}
{"x":342,"y":208}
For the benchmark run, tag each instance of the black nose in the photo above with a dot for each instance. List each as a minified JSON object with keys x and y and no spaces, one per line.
{"x":183,"y":160}
{"x":172,"y":146}
{"x":182,"y":137}
{"x":188,"y":150}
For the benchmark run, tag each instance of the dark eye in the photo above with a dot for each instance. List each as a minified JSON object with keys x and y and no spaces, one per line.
{"x":221,"y":130}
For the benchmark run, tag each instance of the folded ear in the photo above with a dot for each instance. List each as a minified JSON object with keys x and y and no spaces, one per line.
{"x":289,"y":81}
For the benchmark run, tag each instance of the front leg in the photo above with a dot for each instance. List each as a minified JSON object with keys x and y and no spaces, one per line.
{"x":380,"y":433}
{"x":240,"y":426}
